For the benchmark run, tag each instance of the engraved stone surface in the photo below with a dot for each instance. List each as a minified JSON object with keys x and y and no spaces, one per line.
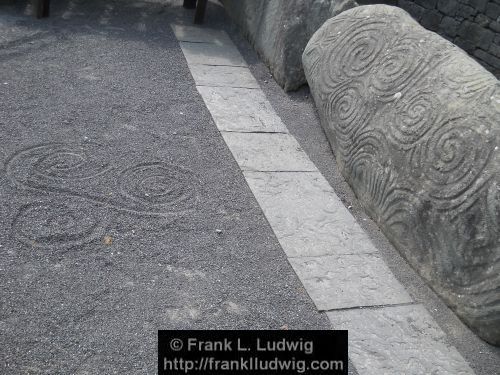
{"x":185,"y":33}
{"x":279,"y":31}
{"x":268,"y":152}
{"x":414,"y":124}
{"x":211,"y":54}
{"x":346,"y":281}
{"x":241,"y":110}
{"x":225,"y":76}
{"x":306,"y":215}
{"x":398,"y":340}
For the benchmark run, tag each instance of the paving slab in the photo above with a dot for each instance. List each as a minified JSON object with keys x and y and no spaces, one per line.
{"x":241,"y":110}
{"x":267,"y":152}
{"x":225,"y":76}
{"x":306,"y":215}
{"x":398,"y":340}
{"x":199,"y":34}
{"x":347,"y":281}
{"x":211,"y":54}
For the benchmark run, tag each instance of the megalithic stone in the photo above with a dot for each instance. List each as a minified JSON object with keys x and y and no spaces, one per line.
{"x":414,"y":124}
{"x":280,"y":29}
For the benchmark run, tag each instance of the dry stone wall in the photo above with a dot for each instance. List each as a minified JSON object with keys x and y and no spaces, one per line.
{"x":473,"y":25}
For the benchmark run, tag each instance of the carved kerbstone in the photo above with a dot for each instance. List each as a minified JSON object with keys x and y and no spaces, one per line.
{"x":415,"y":127}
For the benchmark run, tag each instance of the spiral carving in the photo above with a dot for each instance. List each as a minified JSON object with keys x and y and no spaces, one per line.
{"x":158,"y":186}
{"x":414,"y":118}
{"x":346,"y":109}
{"x":49,"y":165}
{"x":58,"y":225}
{"x":354,"y":51}
{"x":401,"y":64}
{"x":455,"y":155}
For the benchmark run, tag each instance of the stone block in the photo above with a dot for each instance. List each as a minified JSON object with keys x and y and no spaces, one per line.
{"x":465,"y":12}
{"x":495,"y":51}
{"x":307,"y":216}
{"x":493,"y":11}
{"x":466,"y":45}
{"x":448,"y":7}
{"x":347,"y":281}
{"x":427,"y":4}
{"x":482,"y":20}
{"x":449,"y":26}
{"x":279,"y":31}
{"x":414,"y":124}
{"x":480,"y":37}
{"x":267,"y":152}
{"x":431,"y":20}
{"x":495,"y":26}
{"x":241,"y":110}
{"x":388,"y":339}
{"x":479,"y":5}
{"x":487,"y":58}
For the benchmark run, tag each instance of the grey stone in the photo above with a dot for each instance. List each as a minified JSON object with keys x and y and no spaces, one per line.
{"x":279,"y":30}
{"x":415,"y":10}
{"x":267,"y":152}
{"x":477,"y":35}
{"x":466,"y":45}
{"x":413,"y":122}
{"x":428,"y":4}
{"x":495,"y":26}
{"x":211,"y":54}
{"x":466,"y":11}
{"x":398,"y":340}
{"x":495,"y":50}
{"x":241,"y":110}
{"x":482,"y":20}
{"x":347,"y":281}
{"x":448,"y":7}
{"x":431,"y":20}
{"x":480,"y":5}
{"x":493,"y":11}
{"x":306,"y":215}
{"x":185,"y":33}
{"x":225,"y":76}
{"x":449,"y":26}
{"x":487,"y":58}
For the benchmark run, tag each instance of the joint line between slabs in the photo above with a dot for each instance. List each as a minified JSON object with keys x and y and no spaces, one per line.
{"x":232,"y":87}
{"x":370,"y":307}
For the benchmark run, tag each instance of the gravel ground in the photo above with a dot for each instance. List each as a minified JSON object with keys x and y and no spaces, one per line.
{"x":122,"y":211}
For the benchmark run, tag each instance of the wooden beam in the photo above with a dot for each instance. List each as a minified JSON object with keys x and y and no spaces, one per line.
{"x":199,"y":15}
{"x":41,"y":8}
{"x":189,"y":4}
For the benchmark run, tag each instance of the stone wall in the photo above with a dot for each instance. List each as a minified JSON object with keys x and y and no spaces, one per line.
{"x":473,"y":25}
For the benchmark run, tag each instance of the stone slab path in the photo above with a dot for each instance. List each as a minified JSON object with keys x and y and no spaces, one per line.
{"x":331,"y":254}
